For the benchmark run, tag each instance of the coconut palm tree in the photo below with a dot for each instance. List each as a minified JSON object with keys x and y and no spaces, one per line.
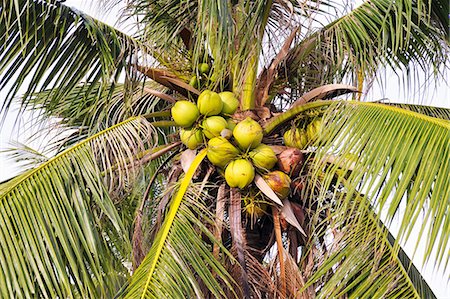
{"x":296,"y":201}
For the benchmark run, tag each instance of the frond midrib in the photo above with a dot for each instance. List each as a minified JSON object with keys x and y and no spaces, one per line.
{"x":440,"y":122}
{"x":63,"y":154}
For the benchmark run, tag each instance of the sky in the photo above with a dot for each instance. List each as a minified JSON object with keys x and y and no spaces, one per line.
{"x":426,"y":93}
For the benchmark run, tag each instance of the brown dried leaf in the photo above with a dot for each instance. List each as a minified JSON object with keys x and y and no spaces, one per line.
{"x":267,"y":76}
{"x":161,"y":95}
{"x":323,"y":92}
{"x":168,"y":79}
{"x":220,"y":210}
{"x":288,"y":214}
{"x":265,"y":188}
{"x":186,"y":159}
{"x":239,"y":116}
{"x":238,"y":238}
{"x":138,"y":252}
{"x":182,"y":84}
{"x":263,"y":113}
{"x":279,"y":241}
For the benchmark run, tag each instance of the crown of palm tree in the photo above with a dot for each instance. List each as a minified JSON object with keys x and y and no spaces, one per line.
{"x":122,"y":188}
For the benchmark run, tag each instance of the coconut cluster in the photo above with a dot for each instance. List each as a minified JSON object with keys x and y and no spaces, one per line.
{"x":205,"y":119}
{"x":237,"y":149}
{"x":240,"y":155}
{"x":234,"y":148}
{"x":300,"y":138}
{"x":203,"y":72}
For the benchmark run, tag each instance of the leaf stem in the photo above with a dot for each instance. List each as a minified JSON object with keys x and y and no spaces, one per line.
{"x":171,"y":216}
{"x":291,"y":113}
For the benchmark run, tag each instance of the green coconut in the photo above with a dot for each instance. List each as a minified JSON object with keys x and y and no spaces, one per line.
{"x":296,"y":138}
{"x":184,"y":113}
{"x":221,"y":151}
{"x":230,"y":103}
{"x":213,"y":125}
{"x":263,"y":157}
{"x":248,"y":134}
{"x":313,"y":129}
{"x":192,"y":138}
{"x":239,"y":173}
{"x":209,"y":103}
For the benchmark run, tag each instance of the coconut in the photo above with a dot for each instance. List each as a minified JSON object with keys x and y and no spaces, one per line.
{"x":209,"y":103}
{"x":203,"y":68}
{"x":239,"y":173}
{"x":191,"y":137}
{"x":248,"y":134}
{"x":194,"y":82}
{"x":230,"y":103}
{"x":213,"y":125}
{"x":221,"y":151}
{"x":295,"y":138}
{"x":184,"y":113}
{"x":291,"y":161}
{"x":313,"y":129}
{"x":279,"y":182}
{"x":263,"y":157}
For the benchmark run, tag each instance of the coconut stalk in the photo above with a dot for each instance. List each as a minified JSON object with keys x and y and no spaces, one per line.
{"x":248,"y":87}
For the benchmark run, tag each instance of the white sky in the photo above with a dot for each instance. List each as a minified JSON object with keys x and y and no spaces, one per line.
{"x":391,"y":88}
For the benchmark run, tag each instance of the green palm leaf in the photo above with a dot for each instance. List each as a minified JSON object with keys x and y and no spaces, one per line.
{"x":377,"y":33}
{"x":52,"y":241}
{"x":415,"y":276}
{"x":91,"y":104}
{"x":179,"y":257}
{"x":46,"y":44}
{"x":364,"y":262}
{"x":27,"y":156}
{"x":438,"y":112}
{"x":401,"y":157}
{"x":168,"y":26}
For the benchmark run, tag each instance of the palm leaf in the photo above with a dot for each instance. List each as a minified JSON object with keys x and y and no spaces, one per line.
{"x":52,"y":220}
{"x":178,"y":255}
{"x":24,"y":155}
{"x":363,"y":261}
{"x":168,"y":27}
{"x":46,"y":45}
{"x":438,"y":112}
{"x":402,"y":157}
{"x":92,"y":104}
{"x":377,"y":33}
{"x":415,"y":276}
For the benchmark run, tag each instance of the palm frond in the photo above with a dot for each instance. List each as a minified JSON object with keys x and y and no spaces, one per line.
{"x":149,"y":207}
{"x":438,"y":112}
{"x":168,"y":26}
{"x":177,"y":258}
{"x":46,"y":45}
{"x":377,"y":33}
{"x":24,"y":155}
{"x":92,"y":107}
{"x":415,"y":276}
{"x":52,"y":220}
{"x":362,"y":262}
{"x":400,"y":157}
